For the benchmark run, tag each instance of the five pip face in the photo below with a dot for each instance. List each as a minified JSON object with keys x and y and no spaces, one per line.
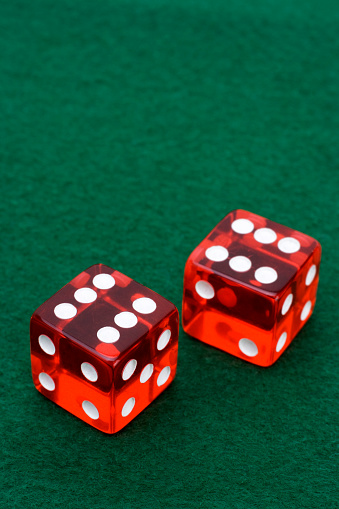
{"x":104,"y":346}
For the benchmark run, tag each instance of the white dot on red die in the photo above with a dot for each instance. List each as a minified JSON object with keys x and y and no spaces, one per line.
{"x":144,"y":305}
{"x":265,"y":235}
{"x":85,"y":295}
{"x":248,"y":347}
{"x":46,"y":344}
{"x":65,"y":311}
{"x":103,"y":281}
{"x":287,"y":304}
{"x":47,"y":382}
{"x":242,"y":226}
{"x":289,"y":245}
{"x":281,"y":341}
{"x":204,"y":289}
{"x":240,"y":263}
{"x":108,"y":334}
{"x":90,"y":410}
{"x":216,"y":253}
{"x":126,"y":320}
{"x":146,"y":373}
{"x":164,"y":339}
{"x":129,"y":369}
{"x":306,"y":310}
{"x":163,"y":376}
{"x":89,"y":371}
{"x":311,"y":275}
{"x":266,"y":275}
{"x":128,"y":407}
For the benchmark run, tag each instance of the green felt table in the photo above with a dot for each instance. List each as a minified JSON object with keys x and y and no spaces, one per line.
{"x":128,"y":129}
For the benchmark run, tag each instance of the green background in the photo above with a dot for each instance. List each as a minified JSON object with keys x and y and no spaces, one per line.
{"x":128,"y":129}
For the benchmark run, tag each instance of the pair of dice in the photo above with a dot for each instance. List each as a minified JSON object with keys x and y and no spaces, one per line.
{"x":104,"y":346}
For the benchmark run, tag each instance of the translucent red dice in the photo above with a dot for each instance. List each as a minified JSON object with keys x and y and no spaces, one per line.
{"x":104,"y":347}
{"x":250,"y":286}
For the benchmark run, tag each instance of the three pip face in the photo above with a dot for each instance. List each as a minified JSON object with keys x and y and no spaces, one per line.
{"x":104,"y":346}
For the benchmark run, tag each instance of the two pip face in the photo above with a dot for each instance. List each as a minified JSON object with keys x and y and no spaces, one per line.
{"x":104,"y":346}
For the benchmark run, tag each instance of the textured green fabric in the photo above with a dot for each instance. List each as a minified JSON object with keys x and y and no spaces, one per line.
{"x":128,"y":129}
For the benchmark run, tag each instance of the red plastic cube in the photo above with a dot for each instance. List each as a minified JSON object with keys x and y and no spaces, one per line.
{"x":250,"y":286}
{"x":104,"y":347}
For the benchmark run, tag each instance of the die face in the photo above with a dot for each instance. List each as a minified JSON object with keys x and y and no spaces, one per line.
{"x":226,"y":320}
{"x":104,"y":310}
{"x":79,"y":350}
{"x":71,"y":376}
{"x":145,"y":371}
{"x":296,"y":305}
{"x":237,"y":280}
{"x":255,"y":252}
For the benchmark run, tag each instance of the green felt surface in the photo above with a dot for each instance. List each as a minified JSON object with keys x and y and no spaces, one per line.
{"x":128,"y":129}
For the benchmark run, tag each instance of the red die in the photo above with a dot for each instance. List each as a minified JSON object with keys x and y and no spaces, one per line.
{"x":250,"y":286}
{"x":104,"y":347}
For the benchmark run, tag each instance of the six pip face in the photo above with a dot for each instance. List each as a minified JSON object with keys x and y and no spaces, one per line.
{"x":104,"y":346}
